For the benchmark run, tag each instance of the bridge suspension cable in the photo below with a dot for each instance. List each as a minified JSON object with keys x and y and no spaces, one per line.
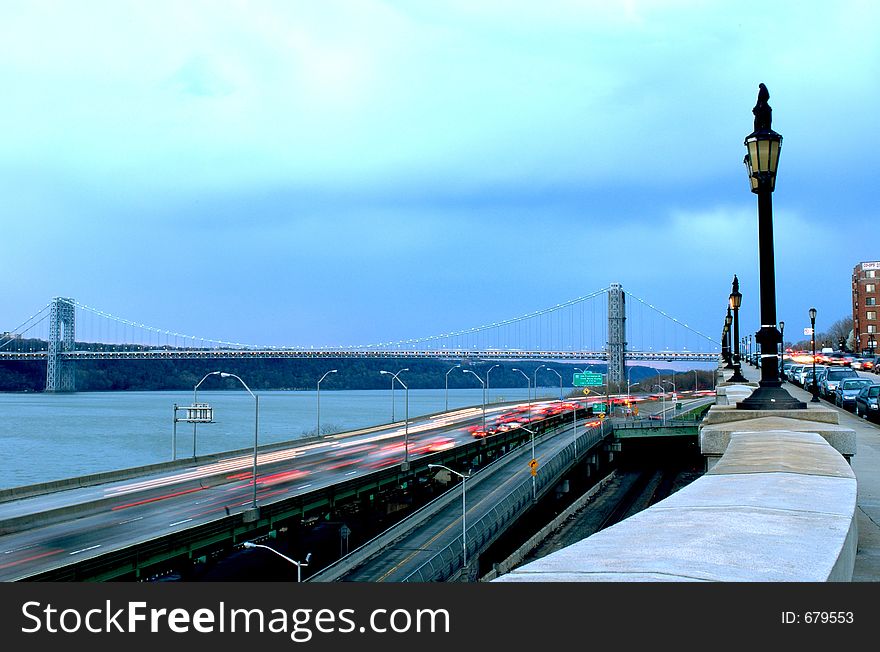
{"x":671,"y":318}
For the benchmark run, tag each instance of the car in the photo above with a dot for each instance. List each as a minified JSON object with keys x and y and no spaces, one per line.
{"x":808,"y":369}
{"x":808,"y":376}
{"x":838,"y":359}
{"x":832,"y":379}
{"x":847,"y":390}
{"x":792,"y":374}
{"x":863,"y":363}
{"x":867,"y":402}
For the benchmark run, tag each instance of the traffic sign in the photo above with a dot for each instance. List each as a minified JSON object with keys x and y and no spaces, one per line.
{"x":599,"y":407}
{"x":601,"y":416}
{"x":587,"y":379}
{"x":808,"y":331}
{"x":533,"y":464}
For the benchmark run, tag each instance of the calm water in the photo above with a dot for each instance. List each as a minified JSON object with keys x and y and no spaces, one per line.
{"x":54,"y":436}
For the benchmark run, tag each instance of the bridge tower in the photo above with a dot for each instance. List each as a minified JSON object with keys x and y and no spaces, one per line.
{"x":62,"y":338}
{"x":616,"y":335}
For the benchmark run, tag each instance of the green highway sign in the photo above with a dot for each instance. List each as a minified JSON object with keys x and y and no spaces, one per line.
{"x":599,"y":407}
{"x":587,"y":379}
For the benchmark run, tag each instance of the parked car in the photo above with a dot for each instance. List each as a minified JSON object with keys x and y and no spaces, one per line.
{"x":808,"y":377}
{"x":832,"y":379}
{"x":847,"y":390}
{"x":867,"y":402}
{"x":792,"y":374}
{"x":803,"y":373}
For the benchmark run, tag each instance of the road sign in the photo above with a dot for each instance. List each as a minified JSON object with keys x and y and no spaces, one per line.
{"x":587,"y":379}
{"x":599,"y":407}
{"x":533,"y":464}
{"x":808,"y":331}
{"x":601,"y":416}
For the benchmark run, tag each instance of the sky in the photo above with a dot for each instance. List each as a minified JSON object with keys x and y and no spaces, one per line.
{"x":348,"y":172}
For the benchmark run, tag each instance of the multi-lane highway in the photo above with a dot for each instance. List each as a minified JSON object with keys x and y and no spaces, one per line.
{"x":111,"y":516}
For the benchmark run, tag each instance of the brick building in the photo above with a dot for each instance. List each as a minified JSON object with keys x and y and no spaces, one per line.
{"x":866,"y":304}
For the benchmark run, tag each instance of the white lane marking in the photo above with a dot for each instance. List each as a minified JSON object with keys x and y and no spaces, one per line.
{"x":131,"y":520}
{"x":186,"y":520}
{"x":303,"y":486}
{"x":351,"y":473}
{"x":76,"y":552}
{"x":6,"y":552}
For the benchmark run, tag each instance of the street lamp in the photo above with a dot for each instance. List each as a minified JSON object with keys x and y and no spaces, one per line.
{"x":529,"y":382}
{"x":781,"y":350}
{"x":674,"y":395}
{"x":487,"y":380}
{"x":735,"y":302}
{"x":814,"y":388}
{"x":560,"y":381}
{"x":298,"y":564}
{"x":332,"y":371}
{"x":405,"y":465}
{"x":663,"y":396}
{"x":195,"y":403}
{"x":533,"y":464}
{"x":256,"y":426}
{"x":392,"y":390}
{"x":727,"y":353}
{"x":463,"y":510}
{"x":447,"y":384}
{"x":763,"y":146}
{"x":535,"y":380}
{"x":468,"y":371}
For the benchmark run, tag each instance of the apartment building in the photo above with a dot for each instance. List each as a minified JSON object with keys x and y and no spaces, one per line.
{"x":865,"y":300}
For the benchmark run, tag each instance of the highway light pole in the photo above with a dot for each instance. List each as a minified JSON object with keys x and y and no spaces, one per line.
{"x":392,"y":390}
{"x":447,"y":384}
{"x":332,"y":371}
{"x":196,"y":402}
{"x":463,"y":510}
{"x":533,"y":464}
{"x":535,"y":381}
{"x":674,"y":395}
{"x":256,"y":427}
{"x":468,"y":371}
{"x":405,"y":465}
{"x":560,"y":381}
{"x":814,"y":387}
{"x":663,"y":396}
{"x":298,"y":564}
{"x":487,"y":382}
{"x":529,"y":383}
{"x":761,"y":160}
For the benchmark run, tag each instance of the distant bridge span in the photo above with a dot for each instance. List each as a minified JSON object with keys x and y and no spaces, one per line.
{"x":443,"y":354}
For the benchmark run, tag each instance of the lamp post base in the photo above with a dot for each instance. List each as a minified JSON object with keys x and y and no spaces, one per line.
{"x":737,"y":376}
{"x":771,"y":396}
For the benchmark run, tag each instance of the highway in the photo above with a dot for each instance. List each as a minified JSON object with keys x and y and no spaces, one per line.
{"x":118,"y":514}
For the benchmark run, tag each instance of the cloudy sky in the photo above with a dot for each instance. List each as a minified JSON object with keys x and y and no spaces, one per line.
{"x":355,"y":171}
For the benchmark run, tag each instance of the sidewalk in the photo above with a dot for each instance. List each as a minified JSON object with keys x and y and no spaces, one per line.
{"x":866,"y":466}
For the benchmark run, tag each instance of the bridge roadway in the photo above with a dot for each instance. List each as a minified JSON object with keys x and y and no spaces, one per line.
{"x":54,"y":529}
{"x":440,"y":354}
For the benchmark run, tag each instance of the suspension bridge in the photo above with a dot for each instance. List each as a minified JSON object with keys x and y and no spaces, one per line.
{"x":592,"y":327}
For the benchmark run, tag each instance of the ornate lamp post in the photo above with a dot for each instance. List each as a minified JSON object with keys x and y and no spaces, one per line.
{"x":727,"y":339}
{"x":763,"y":146}
{"x":736,"y":298}
{"x":781,"y":350}
{"x":814,"y":388}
